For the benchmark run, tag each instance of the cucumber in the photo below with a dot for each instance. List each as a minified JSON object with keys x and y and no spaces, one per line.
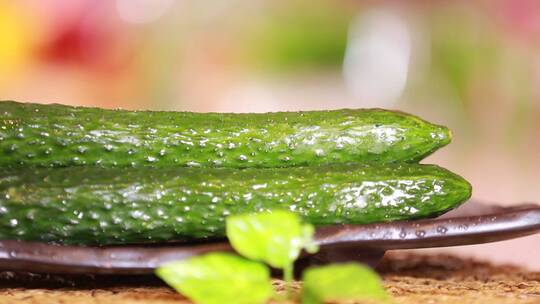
{"x":57,"y":135}
{"x":99,"y":206}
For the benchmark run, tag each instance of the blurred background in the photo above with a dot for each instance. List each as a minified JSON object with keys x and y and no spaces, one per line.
{"x":471,"y":65}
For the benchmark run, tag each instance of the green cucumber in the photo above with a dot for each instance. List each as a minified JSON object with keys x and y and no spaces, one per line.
{"x":57,"y":135}
{"x":96,"y":205}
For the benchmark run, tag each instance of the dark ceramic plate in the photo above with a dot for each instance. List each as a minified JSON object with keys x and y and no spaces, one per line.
{"x":472,"y":223}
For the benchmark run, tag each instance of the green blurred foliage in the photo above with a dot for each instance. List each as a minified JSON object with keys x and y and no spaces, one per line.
{"x":477,"y":76}
{"x":461,"y":49}
{"x":516,"y":82}
{"x":299,"y":35}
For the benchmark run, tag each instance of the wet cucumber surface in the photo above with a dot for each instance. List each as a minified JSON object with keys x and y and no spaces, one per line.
{"x":96,"y":205}
{"x":57,"y":135}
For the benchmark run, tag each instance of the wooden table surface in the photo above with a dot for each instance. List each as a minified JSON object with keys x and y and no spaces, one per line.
{"x":408,"y":277}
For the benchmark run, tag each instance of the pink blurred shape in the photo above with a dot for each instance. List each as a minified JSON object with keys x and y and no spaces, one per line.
{"x":88,"y":35}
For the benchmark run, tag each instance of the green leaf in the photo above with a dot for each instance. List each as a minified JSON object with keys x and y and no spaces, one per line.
{"x":218,"y":278}
{"x":275,"y":238}
{"x":342,"y":282}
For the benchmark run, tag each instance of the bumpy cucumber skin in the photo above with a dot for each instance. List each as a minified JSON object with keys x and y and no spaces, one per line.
{"x":57,"y":135}
{"x":95,"y":205}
